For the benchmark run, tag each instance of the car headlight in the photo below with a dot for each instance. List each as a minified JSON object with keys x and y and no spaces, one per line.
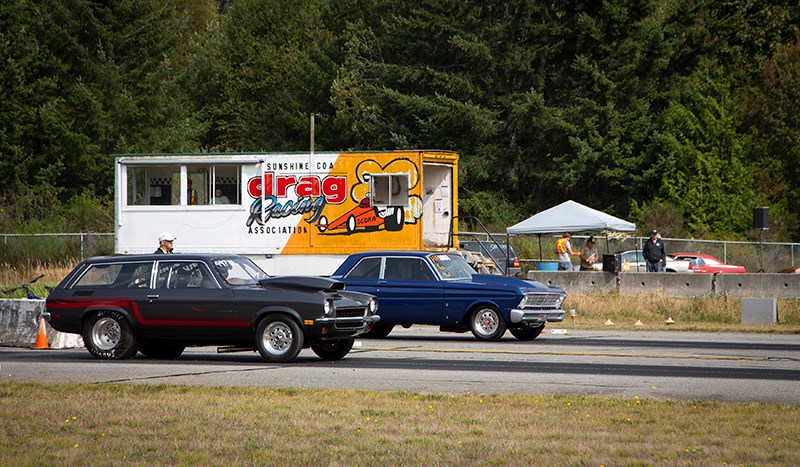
{"x":328,"y":307}
{"x":373,"y":305}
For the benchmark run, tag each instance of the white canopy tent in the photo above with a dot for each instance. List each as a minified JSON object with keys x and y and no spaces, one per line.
{"x":569,"y":216}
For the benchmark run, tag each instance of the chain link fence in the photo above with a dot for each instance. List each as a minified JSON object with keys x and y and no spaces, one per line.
{"x":60,"y":248}
{"x":768,"y":256}
{"x":754,"y":256}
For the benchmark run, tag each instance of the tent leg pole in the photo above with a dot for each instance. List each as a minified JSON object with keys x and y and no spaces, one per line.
{"x":540,"y":246}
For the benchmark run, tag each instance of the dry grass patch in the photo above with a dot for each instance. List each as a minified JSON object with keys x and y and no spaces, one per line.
{"x":102,"y":424}
{"x":711,"y":313}
{"x":12,"y":276}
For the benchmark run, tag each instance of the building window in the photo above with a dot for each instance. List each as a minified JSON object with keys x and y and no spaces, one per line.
{"x":205,"y":185}
{"x":389,"y":189}
{"x":154,"y":185}
{"x":227,"y":184}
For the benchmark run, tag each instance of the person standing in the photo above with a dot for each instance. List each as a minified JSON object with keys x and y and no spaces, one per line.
{"x":655,"y":253}
{"x":564,"y":251}
{"x":165,"y":241}
{"x":589,"y":254}
{"x":191,"y":194}
{"x":219,"y":198}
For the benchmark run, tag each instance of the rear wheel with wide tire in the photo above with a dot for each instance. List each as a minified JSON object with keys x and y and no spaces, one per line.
{"x":487,"y":324}
{"x":279,"y":339}
{"x":527,"y":334}
{"x":333,"y":350}
{"x":379,"y":331}
{"x":108,"y":335}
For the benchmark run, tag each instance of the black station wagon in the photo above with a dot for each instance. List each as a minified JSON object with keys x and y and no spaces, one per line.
{"x":160,"y":304}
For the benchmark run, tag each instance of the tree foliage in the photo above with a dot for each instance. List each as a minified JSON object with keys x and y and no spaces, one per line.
{"x":641,"y":108}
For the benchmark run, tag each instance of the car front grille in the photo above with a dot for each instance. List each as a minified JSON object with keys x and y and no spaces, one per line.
{"x":542,"y":300}
{"x":349,"y":318}
{"x":350,"y":312}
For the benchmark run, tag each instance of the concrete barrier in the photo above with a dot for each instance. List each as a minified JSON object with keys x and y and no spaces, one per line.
{"x":19,"y":326}
{"x":670,"y":284}
{"x":573,"y":281}
{"x":758,"y":285}
{"x":759,"y":311}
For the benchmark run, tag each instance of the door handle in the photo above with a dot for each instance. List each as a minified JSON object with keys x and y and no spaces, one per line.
{"x":152,"y":297}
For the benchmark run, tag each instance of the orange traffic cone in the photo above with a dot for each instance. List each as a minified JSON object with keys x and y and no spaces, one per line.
{"x":41,"y":339}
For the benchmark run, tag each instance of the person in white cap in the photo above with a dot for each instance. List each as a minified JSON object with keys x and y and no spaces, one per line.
{"x":165,"y":243}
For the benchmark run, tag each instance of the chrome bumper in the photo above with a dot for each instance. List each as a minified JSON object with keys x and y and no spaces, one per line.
{"x":537,"y":316}
{"x":356,"y":319}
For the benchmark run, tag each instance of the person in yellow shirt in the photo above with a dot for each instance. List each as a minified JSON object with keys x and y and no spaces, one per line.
{"x":564,"y":251}
{"x":191,"y":194}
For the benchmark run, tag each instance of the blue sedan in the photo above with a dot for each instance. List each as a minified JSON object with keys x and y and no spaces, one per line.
{"x":442,"y":289}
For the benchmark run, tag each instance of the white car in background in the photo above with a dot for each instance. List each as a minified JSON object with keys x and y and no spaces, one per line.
{"x":633,"y":260}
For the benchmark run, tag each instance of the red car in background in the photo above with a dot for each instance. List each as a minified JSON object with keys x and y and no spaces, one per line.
{"x":701,"y":262}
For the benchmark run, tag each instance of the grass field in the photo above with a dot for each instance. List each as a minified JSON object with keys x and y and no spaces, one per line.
{"x":158,"y":425}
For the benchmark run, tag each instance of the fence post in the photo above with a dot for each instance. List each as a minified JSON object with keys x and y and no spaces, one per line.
{"x":724,"y":252}
{"x":81,"y":246}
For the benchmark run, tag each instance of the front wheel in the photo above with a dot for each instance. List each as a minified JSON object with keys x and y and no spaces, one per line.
{"x":487,"y":324}
{"x":333,"y":350}
{"x":527,"y":334}
{"x":108,"y":335}
{"x":279,"y":339}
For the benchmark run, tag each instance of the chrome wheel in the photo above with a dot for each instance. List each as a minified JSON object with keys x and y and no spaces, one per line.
{"x":278,"y":338}
{"x":487,"y":324}
{"x":106,"y":334}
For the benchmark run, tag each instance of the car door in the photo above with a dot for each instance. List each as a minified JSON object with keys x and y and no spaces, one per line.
{"x":186,"y":300}
{"x":409,"y":292}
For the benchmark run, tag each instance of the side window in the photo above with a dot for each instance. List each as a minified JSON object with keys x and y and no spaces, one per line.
{"x":407,"y":269}
{"x":157,"y":185}
{"x":116,"y":276}
{"x":389,"y":189}
{"x":154,"y":185}
{"x":198,"y":185}
{"x":184,"y":275}
{"x":99,"y":275}
{"x":367,"y":268}
{"x":215,"y":184}
{"x":227,"y":184}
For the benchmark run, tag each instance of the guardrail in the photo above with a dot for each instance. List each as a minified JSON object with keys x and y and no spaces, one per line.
{"x":760,"y":285}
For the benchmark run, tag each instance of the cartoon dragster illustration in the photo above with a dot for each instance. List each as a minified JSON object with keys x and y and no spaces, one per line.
{"x":366,"y":216}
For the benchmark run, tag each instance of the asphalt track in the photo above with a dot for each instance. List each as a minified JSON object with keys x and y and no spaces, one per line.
{"x":663,"y":365}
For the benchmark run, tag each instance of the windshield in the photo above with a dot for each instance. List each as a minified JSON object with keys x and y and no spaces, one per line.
{"x":452,"y":266}
{"x":236,"y":270}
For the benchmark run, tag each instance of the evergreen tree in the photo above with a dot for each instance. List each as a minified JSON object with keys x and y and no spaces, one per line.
{"x":703,"y":166}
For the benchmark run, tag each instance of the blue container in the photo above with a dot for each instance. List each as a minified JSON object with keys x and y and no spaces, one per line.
{"x":546,"y":265}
